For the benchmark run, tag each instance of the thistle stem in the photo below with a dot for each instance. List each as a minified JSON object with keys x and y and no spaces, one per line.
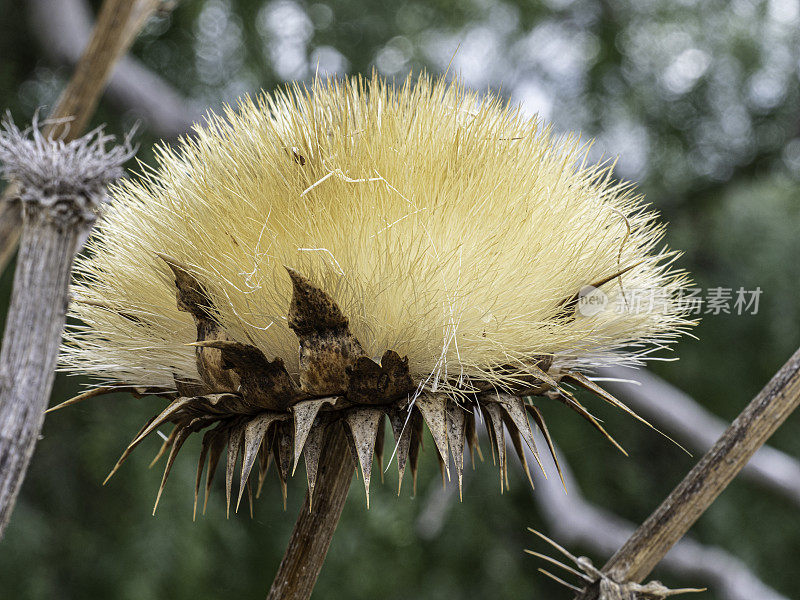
{"x":30,"y":345}
{"x":61,"y":188}
{"x":314,"y":529}
{"x":698,"y":490}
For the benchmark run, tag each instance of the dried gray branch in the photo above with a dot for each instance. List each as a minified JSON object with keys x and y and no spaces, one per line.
{"x":60,"y":186}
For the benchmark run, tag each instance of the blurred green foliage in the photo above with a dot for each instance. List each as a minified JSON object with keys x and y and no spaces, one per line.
{"x":700,"y":100}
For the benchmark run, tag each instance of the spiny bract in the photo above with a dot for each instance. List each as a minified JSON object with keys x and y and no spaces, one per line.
{"x":423,"y":222}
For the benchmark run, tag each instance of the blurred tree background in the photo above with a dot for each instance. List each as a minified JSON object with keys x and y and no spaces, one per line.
{"x":699,"y":100}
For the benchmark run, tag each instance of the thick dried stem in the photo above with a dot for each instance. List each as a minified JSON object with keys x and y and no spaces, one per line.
{"x":698,"y":490}
{"x":30,"y":344}
{"x":313,"y":530}
{"x":61,"y":187}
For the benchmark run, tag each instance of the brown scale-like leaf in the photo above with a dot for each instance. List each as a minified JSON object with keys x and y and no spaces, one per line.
{"x":442,"y":471}
{"x":363,"y":424}
{"x":471,"y":434}
{"x":169,"y":414}
{"x":189,"y":387}
{"x":351,"y":445}
{"x":315,"y":442}
{"x":569,"y":400}
{"x":282,"y":451}
{"x":414,"y":448}
{"x":514,"y":408}
{"x":254,"y":432}
{"x":136,"y":391}
{"x":516,"y":440}
{"x":192,"y":297}
{"x":379,"y":445}
{"x":589,"y":385}
{"x":267,"y":455}
{"x":540,"y":379}
{"x":217,"y":444}
{"x":456,"y":428}
{"x":250,"y":498}
{"x":264,"y":461}
{"x":235,"y":441}
{"x":494,"y":419}
{"x":221,"y":405}
{"x":327,"y":348}
{"x":432,"y":407}
{"x":183,"y":434}
{"x":305,"y":413}
{"x":538,"y":418}
{"x":402,"y":437}
{"x":371,"y":383}
{"x":165,"y":416}
{"x":190,"y":294}
{"x":165,"y":446}
{"x":263,"y":384}
{"x":487,"y":422}
{"x":207,"y":440}
{"x":210,"y":365}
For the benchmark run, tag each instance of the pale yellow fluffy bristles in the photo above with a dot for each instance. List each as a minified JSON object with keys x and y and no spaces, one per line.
{"x":447,"y":226}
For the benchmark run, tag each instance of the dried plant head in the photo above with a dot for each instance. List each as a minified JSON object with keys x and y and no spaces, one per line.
{"x":423,"y":247}
{"x":50,"y":171}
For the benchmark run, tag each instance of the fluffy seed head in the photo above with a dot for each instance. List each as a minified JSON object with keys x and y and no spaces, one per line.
{"x":447,"y":226}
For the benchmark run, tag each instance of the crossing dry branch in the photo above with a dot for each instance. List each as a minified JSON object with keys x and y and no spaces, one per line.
{"x":698,"y":490}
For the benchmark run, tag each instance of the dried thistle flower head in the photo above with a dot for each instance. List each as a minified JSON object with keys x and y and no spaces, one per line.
{"x":424,"y":249}
{"x":50,"y":171}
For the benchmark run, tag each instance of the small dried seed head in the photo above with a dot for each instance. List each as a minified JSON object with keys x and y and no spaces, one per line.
{"x":57,"y":175}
